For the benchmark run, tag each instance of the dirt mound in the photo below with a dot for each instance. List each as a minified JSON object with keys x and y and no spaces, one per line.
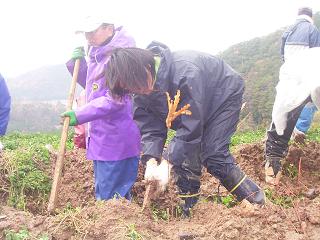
{"x":292,"y":213}
{"x":119,"y":219}
{"x":301,"y":167}
{"x":77,"y":183}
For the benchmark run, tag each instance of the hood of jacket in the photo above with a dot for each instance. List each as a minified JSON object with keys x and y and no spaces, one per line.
{"x":163,"y":74}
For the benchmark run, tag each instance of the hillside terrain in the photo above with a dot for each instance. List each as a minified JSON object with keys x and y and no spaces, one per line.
{"x":257,"y":60}
{"x":42,"y":84}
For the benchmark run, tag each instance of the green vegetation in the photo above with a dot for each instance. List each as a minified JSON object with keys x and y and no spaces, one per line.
{"x":258,"y":61}
{"x":23,"y":234}
{"x":314,"y":134}
{"x":228,"y":200}
{"x":158,"y":214}
{"x":132,"y":233}
{"x":237,"y":139}
{"x":70,"y":218}
{"x":290,"y":170}
{"x":25,"y":167}
{"x":281,"y":200}
{"x":36,"y":116}
{"x":247,"y":137}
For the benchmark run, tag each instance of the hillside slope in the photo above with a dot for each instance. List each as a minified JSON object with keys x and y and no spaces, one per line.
{"x":42,"y":84}
{"x":258,"y":61}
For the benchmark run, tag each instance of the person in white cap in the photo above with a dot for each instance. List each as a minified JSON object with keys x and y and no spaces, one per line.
{"x":113,"y":139}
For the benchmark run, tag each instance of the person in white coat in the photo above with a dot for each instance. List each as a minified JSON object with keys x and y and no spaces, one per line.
{"x":299,"y":83}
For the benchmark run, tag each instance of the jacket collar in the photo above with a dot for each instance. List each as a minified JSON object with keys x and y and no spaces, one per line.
{"x":305,"y":17}
{"x":99,"y":54}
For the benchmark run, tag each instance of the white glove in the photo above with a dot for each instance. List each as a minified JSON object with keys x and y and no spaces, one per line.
{"x":151,"y":170}
{"x":163,"y":174}
{"x":1,"y":146}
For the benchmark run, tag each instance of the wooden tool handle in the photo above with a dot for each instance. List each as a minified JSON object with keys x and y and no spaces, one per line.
{"x":63,"y":140}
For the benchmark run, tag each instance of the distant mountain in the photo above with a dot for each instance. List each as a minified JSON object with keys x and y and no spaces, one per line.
{"x":43,"y":84}
{"x":36,"y":116}
{"x":257,"y":60}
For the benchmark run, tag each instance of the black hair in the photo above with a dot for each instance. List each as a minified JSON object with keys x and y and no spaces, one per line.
{"x":305,"y":11}
{"x":127,"y":71}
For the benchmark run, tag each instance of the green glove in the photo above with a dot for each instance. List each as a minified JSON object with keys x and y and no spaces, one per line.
{"x":72,"y":115}
{"x":78,"y":53}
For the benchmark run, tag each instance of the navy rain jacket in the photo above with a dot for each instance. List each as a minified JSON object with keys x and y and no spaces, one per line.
{"x":301,"y":33}
{"x":206,"y":83}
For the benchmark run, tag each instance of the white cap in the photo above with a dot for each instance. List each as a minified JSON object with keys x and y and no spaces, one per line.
{"x":91,"y":23}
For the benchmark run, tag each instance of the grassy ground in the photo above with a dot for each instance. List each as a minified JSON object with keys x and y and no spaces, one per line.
{"x":25,"y":161}
{"x":25,"y":166}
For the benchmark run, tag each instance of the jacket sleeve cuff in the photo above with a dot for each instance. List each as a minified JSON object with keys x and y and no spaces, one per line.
{"x":146,"y":158}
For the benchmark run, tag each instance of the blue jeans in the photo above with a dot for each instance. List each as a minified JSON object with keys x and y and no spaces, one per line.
{"x":305,"y":119}
{"x":114,"y":179}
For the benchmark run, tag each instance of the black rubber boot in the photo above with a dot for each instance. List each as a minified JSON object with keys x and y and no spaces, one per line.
{"x":189,"y":201}
{"x":242,"y":187}
{"x":273,"y":169}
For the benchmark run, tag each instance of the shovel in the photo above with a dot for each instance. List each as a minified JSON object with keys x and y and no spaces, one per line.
{"x":63,"y":140}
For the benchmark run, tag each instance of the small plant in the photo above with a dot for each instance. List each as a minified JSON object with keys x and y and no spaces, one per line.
{"x":159,"y":213}
{"x":290,"y":170}
{"x":70,"y":218}
{"x":21,"y":235}
{"x":229,"y":201}
{"x":132,"y":233}
{"x":284,"y":201}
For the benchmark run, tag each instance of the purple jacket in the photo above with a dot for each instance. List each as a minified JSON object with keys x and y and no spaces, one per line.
{"x":112,"y":133}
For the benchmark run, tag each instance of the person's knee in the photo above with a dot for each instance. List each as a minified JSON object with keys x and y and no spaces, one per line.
{"x":220,"y":169}
{"x":187,"y":180}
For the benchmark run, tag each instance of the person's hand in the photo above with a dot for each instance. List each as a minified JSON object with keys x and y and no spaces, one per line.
{"x":72,"y":115}
{"x":151,"y":170}
{"x":163,"y":174}
{"x":159,"y":173}
{"x":78,"y":53}
{"x":1,"y":146}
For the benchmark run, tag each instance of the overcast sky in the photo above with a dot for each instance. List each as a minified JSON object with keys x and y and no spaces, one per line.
{"x":35,"y":33}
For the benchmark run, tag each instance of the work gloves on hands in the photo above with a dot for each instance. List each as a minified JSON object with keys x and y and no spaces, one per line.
{"x":159,"y":173}
{"x":72,"y":115}
{"x":78,"y":53}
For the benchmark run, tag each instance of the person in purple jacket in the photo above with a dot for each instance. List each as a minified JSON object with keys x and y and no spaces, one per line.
{"x":113,"y":138}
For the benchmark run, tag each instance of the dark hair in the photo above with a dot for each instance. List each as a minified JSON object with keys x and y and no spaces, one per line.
{"x":127,"y":71}
{"x":305,"y":11}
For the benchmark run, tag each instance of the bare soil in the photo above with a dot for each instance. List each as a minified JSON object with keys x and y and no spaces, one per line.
{"x":293,"y":214}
